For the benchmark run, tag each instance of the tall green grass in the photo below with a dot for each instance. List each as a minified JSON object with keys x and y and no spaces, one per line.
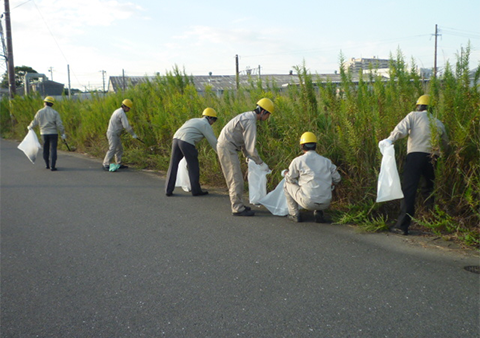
{"x":348,"y":118}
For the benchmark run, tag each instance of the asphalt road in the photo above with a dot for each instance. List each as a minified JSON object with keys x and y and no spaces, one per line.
{"x":87,"y":253}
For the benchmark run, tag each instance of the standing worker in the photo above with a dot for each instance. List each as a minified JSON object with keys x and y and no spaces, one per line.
{"x":50,"y":123}
{"x":183,"y":145}
{"x":240,"y":133}
{"x":309,"y":181}
{"x":421,"y":158}
{"x":117,"y":123}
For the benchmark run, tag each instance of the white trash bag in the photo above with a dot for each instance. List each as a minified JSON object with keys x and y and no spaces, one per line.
{"x":183,"y":180}
{"x":275,"y":201}
{"x":257,"y":182}
{"x":388,"y":187}
{"x":30,"y":146}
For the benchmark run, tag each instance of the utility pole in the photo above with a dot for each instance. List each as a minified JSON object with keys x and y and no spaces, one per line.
{"x":51,"y":72}
{"x":69,"y":88}
{"x":435,"y":57}
{"x":11,"y":68}
{"x":237,"y":74}
{"x":103,"y":77}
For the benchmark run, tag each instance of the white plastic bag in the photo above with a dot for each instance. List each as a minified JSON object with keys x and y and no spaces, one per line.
{"x":275,"y":201}
{"x":183,"y":180}
{"x":257,"y":182}
{"x":30,"y":146}
{"x":388,"y":187}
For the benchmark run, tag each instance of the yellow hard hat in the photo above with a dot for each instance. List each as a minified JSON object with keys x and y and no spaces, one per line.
{"x":266,"y":104}
{"x":423,"y":100}
{"x":127,"y":103}
{"x":209,"y":112}
{"x":308,"y":137}
{"x":49,"y":99}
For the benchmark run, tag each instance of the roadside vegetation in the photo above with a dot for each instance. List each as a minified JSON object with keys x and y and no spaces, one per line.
{"x":348,"y":118}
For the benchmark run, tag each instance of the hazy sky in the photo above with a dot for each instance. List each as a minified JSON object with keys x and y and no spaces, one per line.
{"x":147,"y":36}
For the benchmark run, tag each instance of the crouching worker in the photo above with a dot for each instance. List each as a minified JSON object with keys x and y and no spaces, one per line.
{"x":309,"y":181}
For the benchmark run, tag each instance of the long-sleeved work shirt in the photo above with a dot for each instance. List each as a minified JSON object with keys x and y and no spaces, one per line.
{"x":194,"y":130}
{"x":119,"y":121}
{"x":49,"y":121}
{"x":241,"y":132}
{"x":315,"y":175}
{"x":417,"y":125}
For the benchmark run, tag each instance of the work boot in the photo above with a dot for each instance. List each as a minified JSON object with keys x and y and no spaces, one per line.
{"x":123,"y":166}
{"x":399,"y":230}
{"x":201,"y":193}
{"x":53,"y":169}
{"x":106,"y":167}
{"x":295,"y":218}
{"x":245,"y":212}
{"x":318,"y":215}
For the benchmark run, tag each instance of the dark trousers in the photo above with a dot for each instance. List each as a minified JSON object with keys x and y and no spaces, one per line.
{"x":50,"y":142}
{"x":182,"y":149}
{"x":416,"y":166}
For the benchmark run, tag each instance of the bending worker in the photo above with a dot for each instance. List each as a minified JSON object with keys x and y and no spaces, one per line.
{"x":240,"y":133}
{"x":309,"y":181}
{"x":183,"y":145}
{"x":118,"y":122}
{"x":421,"y":158}
{"x":50,"y":122}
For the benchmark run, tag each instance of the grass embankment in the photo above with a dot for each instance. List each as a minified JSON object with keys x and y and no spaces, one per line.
{"x":348,"y":118}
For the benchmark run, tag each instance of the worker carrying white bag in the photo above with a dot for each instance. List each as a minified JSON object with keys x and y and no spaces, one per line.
{"x":30,"y":146}
{"x":388,"y":187}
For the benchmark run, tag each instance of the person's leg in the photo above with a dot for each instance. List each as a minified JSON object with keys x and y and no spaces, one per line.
{"x":53,"y":150}
{"x":291,"y":190}
{"x":112,"y":146}
{"x":46,"y":150}
{"x":175,"y":158}
{"x":118,"y":150}
{"x":428,"y":174}
{"x":233,"y":176}
{"x":411,"y":177}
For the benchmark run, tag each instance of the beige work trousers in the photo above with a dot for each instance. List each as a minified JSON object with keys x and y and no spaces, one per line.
{"x":228,"y":157}
{"x":114,"y":148}
{"x":296,"y":197}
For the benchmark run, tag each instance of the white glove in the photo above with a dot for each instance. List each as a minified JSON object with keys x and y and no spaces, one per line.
{"x":29,"y":128}
{"x":264,"y":167}
{"x":135,"y":136}
{"x":64,"y":137}
{"x":384,"y":143}
{"x":284,"y":172}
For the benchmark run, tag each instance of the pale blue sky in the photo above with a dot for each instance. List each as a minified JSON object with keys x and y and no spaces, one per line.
{"x":147,"y":36}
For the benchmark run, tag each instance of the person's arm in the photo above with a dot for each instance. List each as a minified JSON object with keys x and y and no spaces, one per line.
{"x":250,"y":138}
{"x":59,"y":124}
{"x":126,"y":125}
{"x":292,"y":175}
{"x":401,"y":130}
{"x":335,"y":174}
{"x":210,"y":136}
{"x":34,"y":123}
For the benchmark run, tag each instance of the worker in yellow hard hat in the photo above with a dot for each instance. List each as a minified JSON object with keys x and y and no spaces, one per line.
{"x":240,"y":133}
{"x":309,"y":181}
{"x":183,"y":145}
{"x":118,"y":122}
{"x":50,"y":122}
{"x":421,"y":158}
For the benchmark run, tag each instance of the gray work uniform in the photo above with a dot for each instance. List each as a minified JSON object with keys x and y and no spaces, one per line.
{"x":308,"y":182}
{"x":183,"y":145}
{"x":118,"y":122}
{"x":240,"y":133}
{"x":49,"y":121}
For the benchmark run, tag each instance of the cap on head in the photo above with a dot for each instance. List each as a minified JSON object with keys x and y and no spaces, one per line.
{"x":308,"y":137}
{"x":209,"y":112}
{"x":423,"y":100}
{"x":49,"y":99}
{"x":128,"y":103}
{"x":266,"y":104}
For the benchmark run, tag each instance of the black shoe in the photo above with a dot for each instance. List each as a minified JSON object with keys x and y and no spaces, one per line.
{"x":248,"y":208}
{"x":398,"y":230}
{"x":106,"y":167}
{"x":295,"y":218}
{"x":245,"y":212}
{"x":47,"y":167}
{"x":123,"y":166}
{"x":53,"y":169}
{"x":169,"y":194}
{"x":318,"y":215}
{"x":201,"y":193}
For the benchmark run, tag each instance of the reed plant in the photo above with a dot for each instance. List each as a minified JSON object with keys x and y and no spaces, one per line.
{"x":349,"y":120}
